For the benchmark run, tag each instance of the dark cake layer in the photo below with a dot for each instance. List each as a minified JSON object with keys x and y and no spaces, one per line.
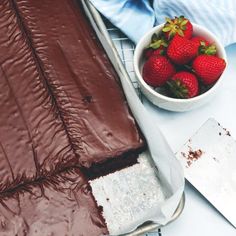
{"x":62,"y":205}
{"x":82,"y":79}
{"x":33,"y":141}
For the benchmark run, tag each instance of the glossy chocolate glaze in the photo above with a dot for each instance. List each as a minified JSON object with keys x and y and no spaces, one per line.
{"x":60,"y":206}
{"x":61,"y":106}
{"x":60,"y":101}
{"x":89,"y":96}
{"x":33,"y":142}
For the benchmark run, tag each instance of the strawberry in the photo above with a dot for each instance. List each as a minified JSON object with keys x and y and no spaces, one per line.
{"x":204,"y":47}
{"x":151,"y":52}
{"x":178,"y":25}
{"x":157,"y":46}
{"x":199,"y":40}
{"x":157,"y":70}
{"x":183,"y":85}
{"x":208,"y":68}
{"x":181,"y":50}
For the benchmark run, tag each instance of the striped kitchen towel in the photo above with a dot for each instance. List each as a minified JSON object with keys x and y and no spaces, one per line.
{"x":136,"y":17}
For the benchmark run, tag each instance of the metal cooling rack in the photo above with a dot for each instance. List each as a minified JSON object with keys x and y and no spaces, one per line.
{"x":125,"y":48}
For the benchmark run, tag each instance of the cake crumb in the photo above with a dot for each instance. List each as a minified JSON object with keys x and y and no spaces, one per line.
{"x":227,"y":132}
{"x":183,"y":154}
{"x":215,"y":159}
{"x":192,"y":156}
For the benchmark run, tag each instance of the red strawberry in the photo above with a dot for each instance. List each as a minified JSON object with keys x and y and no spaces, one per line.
{"x":199,"y":40}
{"x":204,"y":47}
{"x":157,"y":70}
{"x":208,"y":68}
{"x":183,"y":85}
{"x":148,"y":53}
{"x":181,"y":50}
{"x":151,"y":52}
{"x":178,"y":25}
{"x":157,"y":46}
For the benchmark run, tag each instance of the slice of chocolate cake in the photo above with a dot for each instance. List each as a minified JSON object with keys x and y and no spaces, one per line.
{"x":82,"y":79}
{"x":59,"y":206}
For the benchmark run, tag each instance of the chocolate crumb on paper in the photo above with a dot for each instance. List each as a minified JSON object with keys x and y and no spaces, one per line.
{"x":227,"y":132}
{"x":192,"y":156}
{"x":183,"y":154}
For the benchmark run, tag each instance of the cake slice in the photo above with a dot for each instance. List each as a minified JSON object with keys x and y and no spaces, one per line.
{"x":61,"y":205}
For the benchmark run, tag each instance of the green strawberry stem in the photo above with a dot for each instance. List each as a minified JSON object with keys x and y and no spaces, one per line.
{"x":176,"y":25}
{"x":208,"y":50}
{"x":177,"y":89}
{"x":157,"y":42}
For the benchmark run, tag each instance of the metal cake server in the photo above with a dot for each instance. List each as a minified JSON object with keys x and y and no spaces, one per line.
{"x":209,"y":161}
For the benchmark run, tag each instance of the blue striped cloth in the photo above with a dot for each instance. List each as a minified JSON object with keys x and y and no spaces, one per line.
{"x":136,"y":17}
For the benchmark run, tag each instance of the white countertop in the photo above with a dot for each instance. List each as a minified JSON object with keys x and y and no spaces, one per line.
{"x":199,"y":217}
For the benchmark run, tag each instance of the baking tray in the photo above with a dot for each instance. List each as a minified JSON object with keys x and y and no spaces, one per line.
{"x":119,"y":61}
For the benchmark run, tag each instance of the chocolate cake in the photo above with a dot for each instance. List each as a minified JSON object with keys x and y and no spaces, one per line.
{"x":81,"y":78}
{"x":62,"y":111}
{"x":59,"y":206}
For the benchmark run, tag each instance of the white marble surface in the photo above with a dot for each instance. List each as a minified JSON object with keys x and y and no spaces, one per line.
{"x":199,"y":217}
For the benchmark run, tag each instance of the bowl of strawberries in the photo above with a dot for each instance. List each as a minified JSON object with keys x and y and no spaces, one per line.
{"x":179,"y":65}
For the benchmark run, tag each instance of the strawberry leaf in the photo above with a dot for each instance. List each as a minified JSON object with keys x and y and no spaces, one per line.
{"x":177,"y":89}
{"x":202,"y":43}
{"x":166,"y":29}
{"x":168,"y":20}
{"x":180,"y":32}
{"x":184,"y":22}
{"x":156,"y":44}
{"x":165,"y":44}
{"x":208,"y":50}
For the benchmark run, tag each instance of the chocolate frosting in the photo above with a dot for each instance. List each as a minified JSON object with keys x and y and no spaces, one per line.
{"x":32,"y":135}
{"x":62,"y":108}
{"x":89,"y":98}
{"x":61,"y":103}
{"x":59,"y":206}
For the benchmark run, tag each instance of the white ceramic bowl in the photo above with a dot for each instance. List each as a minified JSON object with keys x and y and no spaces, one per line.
{"x":168,"y":103}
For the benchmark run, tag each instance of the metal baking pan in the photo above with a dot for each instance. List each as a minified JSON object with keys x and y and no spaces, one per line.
{"x":104,"y":37}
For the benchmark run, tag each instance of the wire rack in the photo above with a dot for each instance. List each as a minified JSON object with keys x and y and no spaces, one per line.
{"x":125,"y":48}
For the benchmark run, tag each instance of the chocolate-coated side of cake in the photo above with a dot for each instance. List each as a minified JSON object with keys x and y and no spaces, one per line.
{"x":33,"y":141}
{"x":59,"y":206}
{"x":83,"y":81}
